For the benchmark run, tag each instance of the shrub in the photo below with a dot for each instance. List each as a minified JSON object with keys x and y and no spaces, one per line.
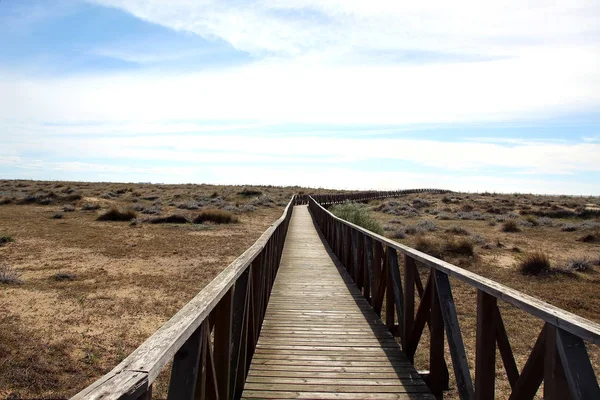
{"x":478,"y":239}
{"x":470,"y":215}
{"x":5,"y":200}
{"x":63,"y":276}
{"x":190,"y":205}
{"x":5,"y":239}
{"x":115,"y":214}
{"x":420,"y":203}
{"x":590,"y":238}
{"x":579,"y":265}
{"x":569,"y":228}
{"x":545,"y":221}
{"x":68,"y":208}
{"x":535,"y":264}
{"x":10,"y":275}
{"x":57,"y":216}
{"x":413,"y":230}
{"x":444,"y":216}
{"x":90,"y":206}
{"x":510,"y":226}
{"x":170,"y":219}
{"x":457,"y":230}
{"x":250,"y":192}
{"x":462,"y":247}
{"x":399,"y":234}
{"x":429,"y":246}
{"x":357,"y":214}
{"x":532,"y":220}
{"x":427,"y":225}
{"x":216,"y":216}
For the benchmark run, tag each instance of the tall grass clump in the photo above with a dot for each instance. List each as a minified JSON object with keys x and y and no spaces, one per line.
{"x":10,"y":275}
{"x":357,"y":214}
{"x":116,"y":214}
{"x":535,"y":264}
{"x":510,"y":226}
{"x":215,"y":216}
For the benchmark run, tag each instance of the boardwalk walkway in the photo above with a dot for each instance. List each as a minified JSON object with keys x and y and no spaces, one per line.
{"x":320,"y":338}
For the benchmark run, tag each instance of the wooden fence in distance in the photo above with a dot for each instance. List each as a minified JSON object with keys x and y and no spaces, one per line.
{"x":559,"y":357}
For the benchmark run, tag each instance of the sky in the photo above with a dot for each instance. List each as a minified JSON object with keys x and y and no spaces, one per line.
{"x":348,"y":94}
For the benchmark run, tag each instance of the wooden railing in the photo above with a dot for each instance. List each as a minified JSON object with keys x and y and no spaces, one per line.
{"x":329,"y":199}
{"x":211,"y":340}
{"x":559,"y":357}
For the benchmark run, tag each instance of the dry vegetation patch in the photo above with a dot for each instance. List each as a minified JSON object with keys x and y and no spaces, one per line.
{"x":92,"y":291}
{"x":568,"y":260}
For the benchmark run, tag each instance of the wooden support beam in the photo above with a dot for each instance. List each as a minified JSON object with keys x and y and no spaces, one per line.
{"x":485,"y":353}
{"x":533,"y":372}
{"x":577,"y":367}
{"x":460,"y":363}
{"x":436,"y":345}
{"x":409,"y":298}
{"x":508,"y":358}
{"x":223,"y":343}
{"x":186,"y":364}
{"x":555,"y":383}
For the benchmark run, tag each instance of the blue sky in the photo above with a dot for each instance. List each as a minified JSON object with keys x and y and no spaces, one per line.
{"x":334,"y":93}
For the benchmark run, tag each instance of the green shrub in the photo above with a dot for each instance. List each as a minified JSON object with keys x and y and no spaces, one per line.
{"x":5,"y":239}
{"x":535,"y":264}
{"x":358,"y":214}
{"x":116,"y":214}
{"x":532,"y":220}
{"x":510,"y":226}
{"x":216,"y":216}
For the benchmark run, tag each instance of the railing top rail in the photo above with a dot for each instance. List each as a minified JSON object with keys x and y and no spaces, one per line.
{"x":146,"y":362}
{"x":579,"y":326}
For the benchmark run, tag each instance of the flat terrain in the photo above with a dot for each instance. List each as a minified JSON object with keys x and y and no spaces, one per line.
{"x":566,"y":229}
{"x":92,"y":291}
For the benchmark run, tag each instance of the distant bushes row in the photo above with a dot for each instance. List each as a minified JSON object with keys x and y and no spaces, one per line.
{"x":214,"y":216}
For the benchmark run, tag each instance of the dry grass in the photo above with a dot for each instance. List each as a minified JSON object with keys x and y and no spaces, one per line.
{"x":565,"y":286}
{"x":510,"y":226}
{"x":59,"y":335}
{"x":117,"y":214}
{"x":535,"y":263}
{"x":215,"y":216}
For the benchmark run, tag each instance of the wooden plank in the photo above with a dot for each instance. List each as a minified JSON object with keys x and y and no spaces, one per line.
{"x":258,"y":394}
{"x":485,"y":352}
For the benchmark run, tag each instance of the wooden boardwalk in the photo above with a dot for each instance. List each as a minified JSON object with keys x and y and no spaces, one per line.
{"x":320,"y":338}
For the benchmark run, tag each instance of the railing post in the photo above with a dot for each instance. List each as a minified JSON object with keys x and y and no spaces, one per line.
{"x":186,"y":363}
{"x":409,"y":299}
{"x":436,"y":345}
{"x":222,"y":346}
{"x":485,"y":353}
{"x":555,"y":384}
